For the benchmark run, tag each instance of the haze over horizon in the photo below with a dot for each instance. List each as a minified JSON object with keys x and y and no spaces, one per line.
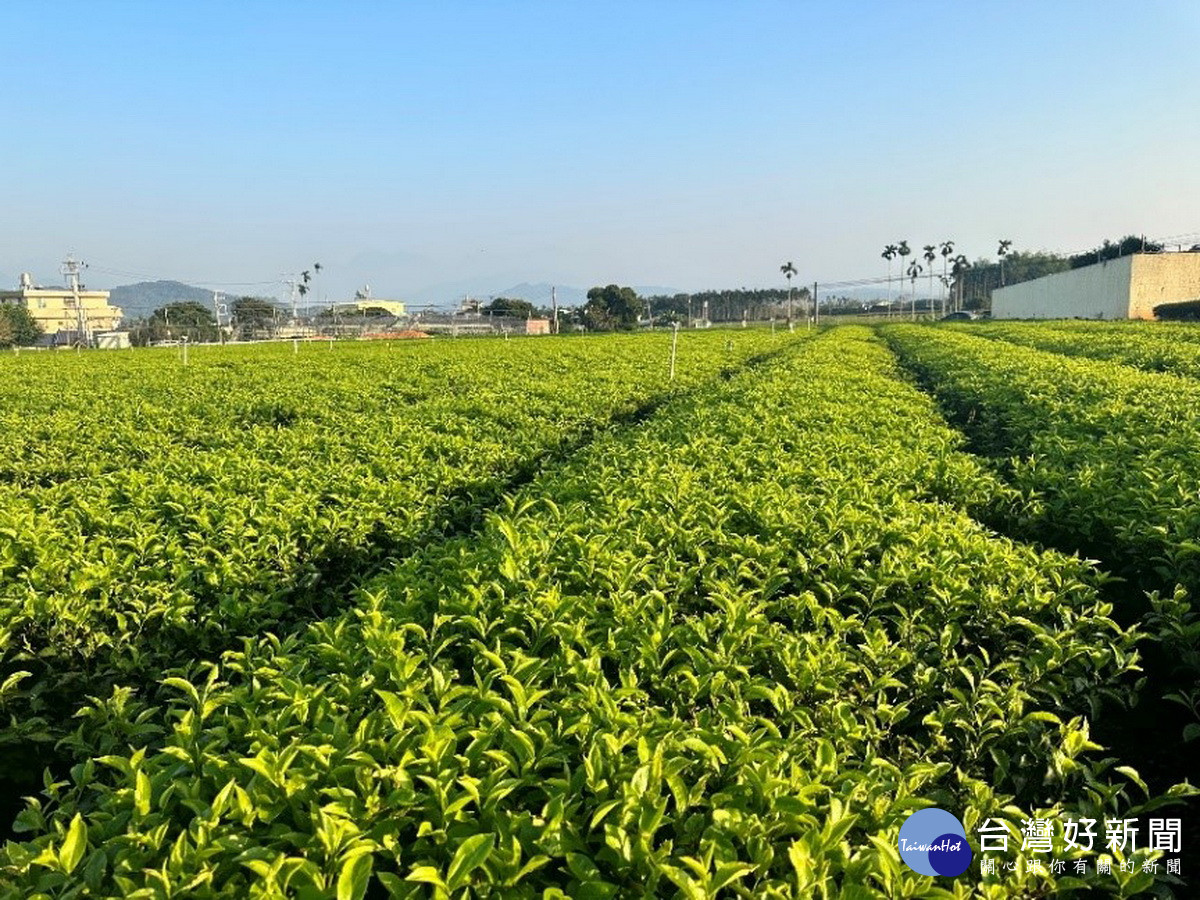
{"x":694,"y":145}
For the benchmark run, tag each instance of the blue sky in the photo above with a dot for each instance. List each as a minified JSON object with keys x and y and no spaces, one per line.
{"x":687,"y":144}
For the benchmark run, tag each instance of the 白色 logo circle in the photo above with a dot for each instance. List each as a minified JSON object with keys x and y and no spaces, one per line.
{"x":933,"y":842}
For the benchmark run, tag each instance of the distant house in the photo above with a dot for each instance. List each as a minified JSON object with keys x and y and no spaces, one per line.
{"x":391,"y":307}
{"x":1128,"y":287}
{"x":65,"y":316}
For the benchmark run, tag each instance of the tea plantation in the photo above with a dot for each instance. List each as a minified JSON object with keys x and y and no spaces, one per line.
{"x":534,"y":619}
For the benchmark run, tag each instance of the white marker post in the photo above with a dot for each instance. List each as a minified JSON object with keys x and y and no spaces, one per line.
{"x":674,"y":343}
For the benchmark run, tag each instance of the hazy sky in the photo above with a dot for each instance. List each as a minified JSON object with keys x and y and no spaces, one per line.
{"x":688,"y":144}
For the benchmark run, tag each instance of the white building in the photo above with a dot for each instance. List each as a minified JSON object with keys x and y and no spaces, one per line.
{"x":1128,"y":287}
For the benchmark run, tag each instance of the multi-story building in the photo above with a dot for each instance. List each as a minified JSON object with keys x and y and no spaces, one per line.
{"x":65,"y":315}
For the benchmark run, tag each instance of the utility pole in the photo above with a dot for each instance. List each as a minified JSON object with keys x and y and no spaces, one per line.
{"x":816,"y":306}
{"x":221,"y":309}
{"x":293,"y":285}
{"x":71,"y":269}
{"x":554,"y":308}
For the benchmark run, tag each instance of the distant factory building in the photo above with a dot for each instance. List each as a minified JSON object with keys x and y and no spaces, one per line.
{"x":65,"y":315}
{"x":1128,"y":287}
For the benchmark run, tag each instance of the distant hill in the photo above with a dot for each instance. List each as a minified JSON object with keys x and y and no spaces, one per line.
{"x":139,"y":300}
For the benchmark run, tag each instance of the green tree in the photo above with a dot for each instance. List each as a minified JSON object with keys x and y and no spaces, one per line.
{"x":914,"y":270}
{"x":889,"y":253}
{"x":947,"y":250}
{"x":507,"y":306}
{"x":903,"y":250}
{"x":730,"y":305}
{"x":1131,"y":243}
{"x":612,"y":308}
{"x":1005,"y":246}
{"x":959,"y":272}
{"x":930,"y":257}
{"x":185,"y":319}
{"x":788,"y":270}
{"x":17,"y":326}
{"x":254,"y":314}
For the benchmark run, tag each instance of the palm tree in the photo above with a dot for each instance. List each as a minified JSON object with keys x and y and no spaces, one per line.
{"x":947,"y":250}
{"x":305,"y":278}
{"x":316,"y":271}
{"x":889,"y":253}
{"x":1003,"y":252}
{"x":930,"y":255}
{"x":789,"y":270}
{"x":914,"y":269}
{"x":959,"y":269}
{"x":904,"y":251}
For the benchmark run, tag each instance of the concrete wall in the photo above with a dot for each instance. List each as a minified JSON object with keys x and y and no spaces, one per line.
{"x":1162,"y":278}
{"x":1093,"y":292}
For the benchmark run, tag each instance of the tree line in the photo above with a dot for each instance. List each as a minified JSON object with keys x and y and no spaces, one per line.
{"x":755,"y":304}
{"x":616,"y":308}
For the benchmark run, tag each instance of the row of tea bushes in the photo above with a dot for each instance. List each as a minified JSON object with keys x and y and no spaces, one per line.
{"x":1154,"y":347}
